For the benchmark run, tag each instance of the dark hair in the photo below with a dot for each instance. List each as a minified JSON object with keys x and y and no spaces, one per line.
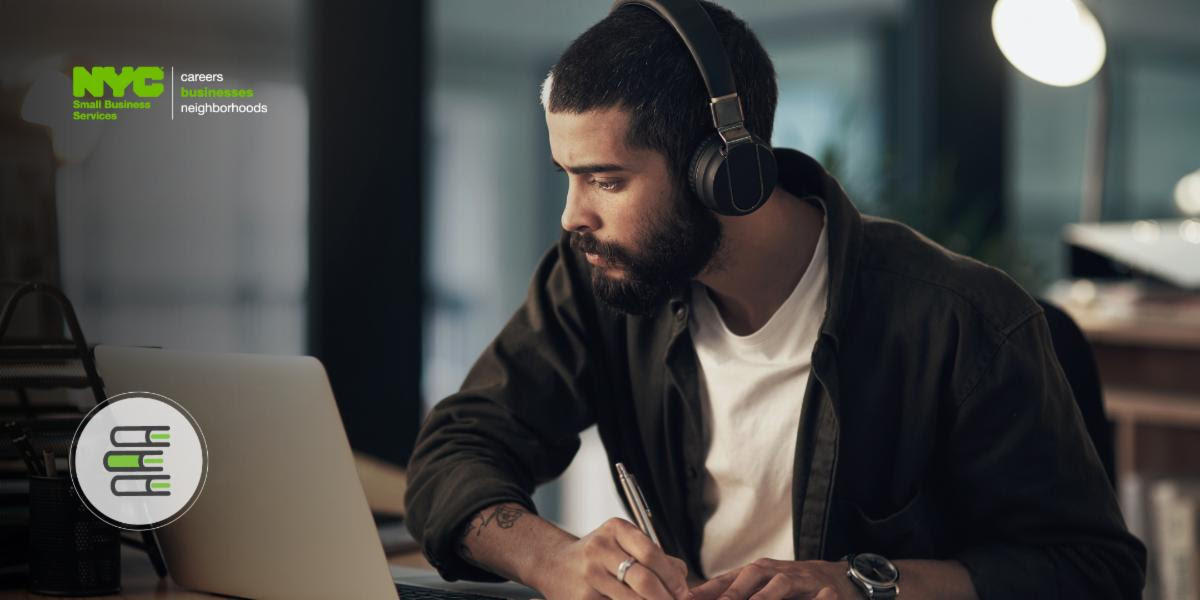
{"x":634,"y":60}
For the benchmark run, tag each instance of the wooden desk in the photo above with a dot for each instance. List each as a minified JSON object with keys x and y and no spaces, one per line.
{"x":1150,"y":370}
{"x":383,"y":483}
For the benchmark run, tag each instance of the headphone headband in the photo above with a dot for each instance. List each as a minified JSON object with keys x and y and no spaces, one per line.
{"x":733,"y":172}
{"x":696,"y":29}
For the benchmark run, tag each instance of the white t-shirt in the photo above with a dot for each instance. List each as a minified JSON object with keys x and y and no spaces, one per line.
{"x":752,"y":392}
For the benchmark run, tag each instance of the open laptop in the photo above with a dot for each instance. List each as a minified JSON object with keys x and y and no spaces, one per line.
{"x":282,"y":513}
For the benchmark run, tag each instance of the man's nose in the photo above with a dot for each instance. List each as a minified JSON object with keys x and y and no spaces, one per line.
{"x":578,"y":214}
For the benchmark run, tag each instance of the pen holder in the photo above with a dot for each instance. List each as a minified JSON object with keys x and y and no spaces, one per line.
{"x":71,"y":552}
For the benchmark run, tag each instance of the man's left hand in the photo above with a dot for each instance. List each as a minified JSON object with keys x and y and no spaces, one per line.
{"x":767,"y":579}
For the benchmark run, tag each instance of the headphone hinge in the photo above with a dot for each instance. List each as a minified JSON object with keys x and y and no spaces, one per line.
{"x":735,"y":136}
{"x":728,"y":119}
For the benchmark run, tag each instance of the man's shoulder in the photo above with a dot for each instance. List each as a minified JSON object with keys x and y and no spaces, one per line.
{"x":901,"y":262}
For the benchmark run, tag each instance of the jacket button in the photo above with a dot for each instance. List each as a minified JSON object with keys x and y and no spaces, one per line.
{"x":692,"y":473}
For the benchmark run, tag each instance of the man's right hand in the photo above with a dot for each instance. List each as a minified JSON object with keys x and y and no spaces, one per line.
{"x":587,"y":567}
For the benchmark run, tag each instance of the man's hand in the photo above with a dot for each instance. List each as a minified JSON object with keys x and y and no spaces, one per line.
{"x":587,"y":567}
{"x":767,"y":579}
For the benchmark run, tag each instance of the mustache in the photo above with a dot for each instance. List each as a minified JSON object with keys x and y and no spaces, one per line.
{"x":586,"y":242}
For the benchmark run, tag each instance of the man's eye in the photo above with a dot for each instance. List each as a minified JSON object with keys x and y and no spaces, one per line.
{"x":606,"y":186}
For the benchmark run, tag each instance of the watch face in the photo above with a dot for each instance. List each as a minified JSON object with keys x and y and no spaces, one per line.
{"x":875,"y":569}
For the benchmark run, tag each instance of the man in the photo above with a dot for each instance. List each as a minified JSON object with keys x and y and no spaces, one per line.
{"x":791,"y":386}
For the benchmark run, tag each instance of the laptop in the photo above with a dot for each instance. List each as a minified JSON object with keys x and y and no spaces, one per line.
{"x":282,"y":513}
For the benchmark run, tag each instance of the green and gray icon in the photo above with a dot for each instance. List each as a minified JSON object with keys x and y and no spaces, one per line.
{"x":138,"y":460}
{"x":138,"y":455}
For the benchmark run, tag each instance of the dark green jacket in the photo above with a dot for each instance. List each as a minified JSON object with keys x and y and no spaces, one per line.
{"x":938,"y":423}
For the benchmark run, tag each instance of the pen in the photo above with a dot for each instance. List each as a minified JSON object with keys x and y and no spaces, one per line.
{"x":20,"y":439}
{"x":633,"y":493}
{"x":51,"y":468}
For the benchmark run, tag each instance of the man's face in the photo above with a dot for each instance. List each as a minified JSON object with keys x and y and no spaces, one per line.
{"x":643,"y":236}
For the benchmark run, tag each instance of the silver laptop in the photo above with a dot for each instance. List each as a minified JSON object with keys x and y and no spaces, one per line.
{"x":283,"y":513}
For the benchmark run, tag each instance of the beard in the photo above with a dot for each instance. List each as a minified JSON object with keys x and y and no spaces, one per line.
{"x":672,"y":249}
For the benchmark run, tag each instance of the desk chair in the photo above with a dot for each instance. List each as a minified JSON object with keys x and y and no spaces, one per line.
{"x":1079,"y":365}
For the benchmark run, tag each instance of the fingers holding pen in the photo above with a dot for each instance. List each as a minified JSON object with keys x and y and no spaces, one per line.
{"x":670,"y":570}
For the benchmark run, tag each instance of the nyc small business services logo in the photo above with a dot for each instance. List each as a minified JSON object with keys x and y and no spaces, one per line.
{"x":91,"y":88}
{"x":139,"y":461}
{"x":103,"y":93}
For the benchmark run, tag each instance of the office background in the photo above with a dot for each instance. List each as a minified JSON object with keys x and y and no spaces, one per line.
{"x":387,"y":214}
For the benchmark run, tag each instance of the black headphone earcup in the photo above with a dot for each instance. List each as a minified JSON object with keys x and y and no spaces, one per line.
{"x":734,"y":182}
{"x":706,"y":155}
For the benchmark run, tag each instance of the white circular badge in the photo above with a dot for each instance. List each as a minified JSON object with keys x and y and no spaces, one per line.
{"x":138,"y":460}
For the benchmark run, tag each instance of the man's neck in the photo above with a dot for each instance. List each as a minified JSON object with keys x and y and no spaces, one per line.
{"x":762,"y":258}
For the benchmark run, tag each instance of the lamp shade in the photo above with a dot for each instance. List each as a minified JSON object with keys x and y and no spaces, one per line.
{"x":1056,"y":42}
{"x":1187,"y":194}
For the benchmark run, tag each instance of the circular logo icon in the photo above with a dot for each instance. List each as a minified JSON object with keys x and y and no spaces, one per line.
{"x":139,"y":460}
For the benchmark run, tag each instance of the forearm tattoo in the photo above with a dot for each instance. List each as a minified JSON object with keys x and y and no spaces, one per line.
{"x":504,"y":516}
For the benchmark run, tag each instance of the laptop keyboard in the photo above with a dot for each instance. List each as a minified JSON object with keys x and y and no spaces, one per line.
{"x":408,"y":592}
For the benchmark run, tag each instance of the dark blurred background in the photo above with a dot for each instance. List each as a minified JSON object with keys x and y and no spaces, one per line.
{"x":386,"y":214}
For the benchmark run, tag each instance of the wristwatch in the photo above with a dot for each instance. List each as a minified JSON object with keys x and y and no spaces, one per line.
{"x":875,"y":575}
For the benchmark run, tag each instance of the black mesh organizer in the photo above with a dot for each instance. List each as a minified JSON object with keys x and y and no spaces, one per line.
{"x":48,"y":540}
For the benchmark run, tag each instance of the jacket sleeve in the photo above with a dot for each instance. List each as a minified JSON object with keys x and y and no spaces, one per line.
{"x":1043,"y":518}
{"x":515,"y":422}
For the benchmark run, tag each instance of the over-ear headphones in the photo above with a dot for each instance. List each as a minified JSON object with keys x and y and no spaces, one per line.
{"x":732,"y":171}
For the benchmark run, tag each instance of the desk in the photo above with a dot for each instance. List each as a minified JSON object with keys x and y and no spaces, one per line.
{"x":383,"y":483}
{"x":1150,"y":370}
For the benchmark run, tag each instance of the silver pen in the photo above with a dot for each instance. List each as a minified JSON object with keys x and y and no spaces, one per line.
{"x":641,"y":512}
